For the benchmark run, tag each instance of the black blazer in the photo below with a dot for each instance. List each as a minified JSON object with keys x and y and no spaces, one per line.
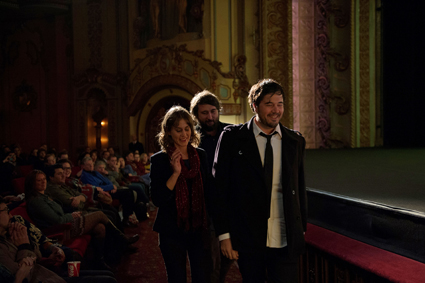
{"x":243,"y":202}
{"x":163,"y":197}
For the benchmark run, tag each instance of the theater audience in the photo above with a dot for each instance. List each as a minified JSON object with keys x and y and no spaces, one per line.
{"x":113,"y":169}
{"x":132,"y":169}
{"x":72,"y":200}
{"x":46,"y":213}
{"x":141,"y":200}
{"x":96,"y":197}
{"x":92,"y":177}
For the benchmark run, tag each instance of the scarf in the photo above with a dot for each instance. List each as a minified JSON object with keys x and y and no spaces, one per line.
{"x":193,"y":213}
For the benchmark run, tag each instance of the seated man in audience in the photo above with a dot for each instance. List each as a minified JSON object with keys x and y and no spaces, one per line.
{"x":111,"y":151}
{"x":70,"y":199}
{"x":140,"y":188}
{"x":144,"y":159}
{"x":50,"y":159}
{"x":105,"y":155}
{"x":92,"y":177}
{"x":63,"y":155}
{"x":140,"y":207}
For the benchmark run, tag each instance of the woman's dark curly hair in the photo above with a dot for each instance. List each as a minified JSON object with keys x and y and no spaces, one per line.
{"x":172,"y":119}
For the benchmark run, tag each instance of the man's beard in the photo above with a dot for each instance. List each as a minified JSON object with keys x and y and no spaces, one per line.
{"x":207,"y":128}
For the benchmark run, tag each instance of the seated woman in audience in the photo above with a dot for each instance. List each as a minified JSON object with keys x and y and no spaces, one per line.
{"x":46,"y":213}
{"x":179,"y":177}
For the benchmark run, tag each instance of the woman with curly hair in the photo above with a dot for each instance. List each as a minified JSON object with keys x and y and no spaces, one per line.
{"x":179,"y":182}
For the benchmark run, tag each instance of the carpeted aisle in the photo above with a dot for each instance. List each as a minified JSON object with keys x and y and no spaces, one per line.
{"x":147,"y":265}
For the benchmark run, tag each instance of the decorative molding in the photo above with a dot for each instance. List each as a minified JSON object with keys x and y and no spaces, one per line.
{"x":323,"y":84}
{"x":240,"y":84}
{"x":95,"y":33}
{"x":94,"y":76}
{"x":364,"y":73}
{"x":178,"y":66}
{"x":231,"y":109}
{"x":277,"y":49}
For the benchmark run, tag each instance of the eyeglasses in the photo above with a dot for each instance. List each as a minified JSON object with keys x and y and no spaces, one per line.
{"x":6,"y":209}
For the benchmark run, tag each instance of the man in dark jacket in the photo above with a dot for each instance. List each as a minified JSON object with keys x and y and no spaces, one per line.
{"x":206,"y":107}
{"x":259,"y":174}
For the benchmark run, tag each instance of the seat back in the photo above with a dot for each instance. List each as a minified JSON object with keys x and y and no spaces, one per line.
{"x":22,"y":211}
{"x":24,"y":170}
{"x":19,"y":185}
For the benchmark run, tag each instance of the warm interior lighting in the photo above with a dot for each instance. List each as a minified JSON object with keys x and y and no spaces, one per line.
{"x":102,"y":123}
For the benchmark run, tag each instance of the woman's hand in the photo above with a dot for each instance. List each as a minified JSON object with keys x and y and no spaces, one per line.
{"x":76,"y":214}
{"x":18,"y":234}
{"x":175,"y":162}
{"x":25,"y":267}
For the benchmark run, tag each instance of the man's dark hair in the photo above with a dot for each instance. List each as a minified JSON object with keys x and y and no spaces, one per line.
{"x":40,"y":150}
{"x":62,"y":161}
{"x":127,"y":153}
{"x":61,"y":153}
{"x":261,"y":89}
{"x":50,"y":170}
{"x":201,"y":98}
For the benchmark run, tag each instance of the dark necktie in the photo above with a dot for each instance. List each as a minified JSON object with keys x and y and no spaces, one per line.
{"x":268,"y":165}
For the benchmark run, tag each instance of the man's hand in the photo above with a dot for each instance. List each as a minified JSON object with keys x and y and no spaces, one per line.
{"x":114,"y":190}
{"x":57,"y":255}
{"x":18,"y":234}
{"x":75,"y":201}
{"x":227,"y":250}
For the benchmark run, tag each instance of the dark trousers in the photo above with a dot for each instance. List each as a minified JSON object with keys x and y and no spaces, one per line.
{"x":126,"y":198}
{"x":273,"y":264}
{"x":175,"y":248}
{"x":140,"y":190}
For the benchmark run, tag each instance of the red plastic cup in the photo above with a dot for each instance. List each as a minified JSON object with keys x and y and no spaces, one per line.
{"x":74,"y":268}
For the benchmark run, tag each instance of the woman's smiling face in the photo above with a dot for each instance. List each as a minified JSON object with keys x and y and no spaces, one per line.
{"x":181,"y":134}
